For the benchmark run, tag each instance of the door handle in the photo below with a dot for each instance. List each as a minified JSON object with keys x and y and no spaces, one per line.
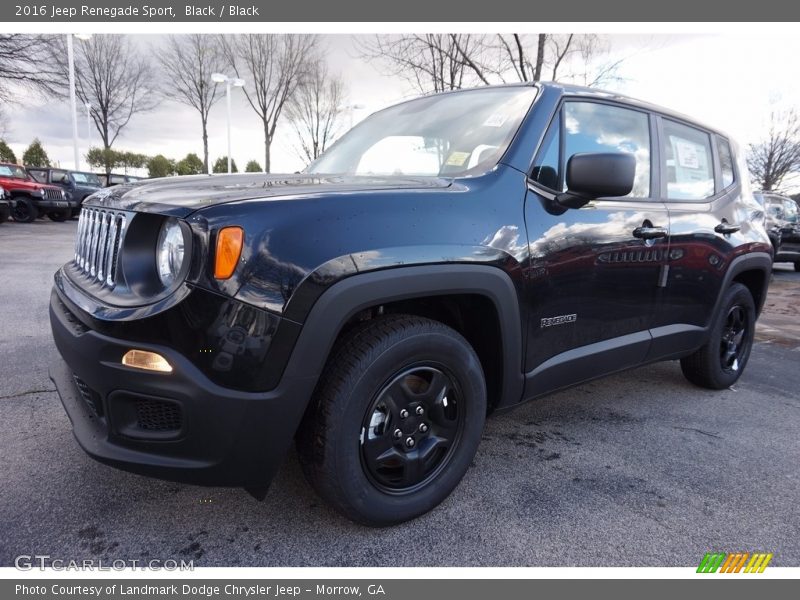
{"x":649,"y":233}
{"x":727,"y":228}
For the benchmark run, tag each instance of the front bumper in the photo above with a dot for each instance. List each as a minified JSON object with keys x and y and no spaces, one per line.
{"x":178,"y":426}
{"x":46,"y":203}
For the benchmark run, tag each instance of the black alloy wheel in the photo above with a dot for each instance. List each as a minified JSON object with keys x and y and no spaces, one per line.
{"x":411,"y":429}
{"x":24,"y":211}
{"x":734,"y":341}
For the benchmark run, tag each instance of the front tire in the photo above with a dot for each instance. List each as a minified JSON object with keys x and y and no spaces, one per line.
{"x":395,"y":420}
{"x":24,"y":211}
{"x":720,"y":363}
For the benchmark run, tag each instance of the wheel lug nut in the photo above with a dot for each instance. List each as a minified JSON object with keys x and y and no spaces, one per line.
{"x":423,"y":427}
{"x":398,"y":434}
{"x":403,"y":413}
{"x":410,"y":442}
{"x":420,"y":410}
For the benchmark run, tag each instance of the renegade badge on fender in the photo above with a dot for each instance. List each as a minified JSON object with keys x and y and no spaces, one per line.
{"x":450,"y":256}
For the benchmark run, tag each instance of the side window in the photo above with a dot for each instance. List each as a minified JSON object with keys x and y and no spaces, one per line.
{"x":595,"y":127}
{"x":545,"y":166}
{"x":687,"y":162}
{"x":725,"y":161}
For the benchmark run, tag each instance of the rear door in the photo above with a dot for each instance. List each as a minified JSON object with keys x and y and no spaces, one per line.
{"x":594,"y":272}
{"x":701,"y":189}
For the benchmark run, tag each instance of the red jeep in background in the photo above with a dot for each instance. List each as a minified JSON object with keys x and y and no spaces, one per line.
{"x":30,"y":199}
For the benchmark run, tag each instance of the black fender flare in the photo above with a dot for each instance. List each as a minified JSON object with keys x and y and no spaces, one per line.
{"x":353,"y":294}
{"x":753,"y":261}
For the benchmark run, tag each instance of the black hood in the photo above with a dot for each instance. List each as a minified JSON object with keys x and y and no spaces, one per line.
{"x":180,"y":196}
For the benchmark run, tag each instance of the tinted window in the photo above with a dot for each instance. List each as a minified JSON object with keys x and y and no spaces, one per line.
{"x":58,"y":176}
{"x":725,"y":162}
{"x":594,"y":127}
{"x":688,"y":166}
{"x":790,"y":211}
{"x":545,"y":166}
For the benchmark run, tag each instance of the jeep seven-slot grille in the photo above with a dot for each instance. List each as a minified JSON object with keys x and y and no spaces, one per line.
{"x":52,"y":194}
{"x":100,"y":233}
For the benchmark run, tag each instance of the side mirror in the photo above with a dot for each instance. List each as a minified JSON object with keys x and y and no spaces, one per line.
{"x":592,"y":175}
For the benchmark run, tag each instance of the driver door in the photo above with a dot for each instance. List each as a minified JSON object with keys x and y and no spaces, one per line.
{"x":594,"y":273}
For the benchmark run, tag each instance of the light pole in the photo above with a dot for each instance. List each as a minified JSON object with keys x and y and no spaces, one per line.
{"x":229,"y":82}
{"x":72,"y":104}
{"x":350,"y":108}
{"x":88,"y":126}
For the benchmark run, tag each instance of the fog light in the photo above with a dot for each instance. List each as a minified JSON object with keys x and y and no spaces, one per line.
{"x":141,"y":359}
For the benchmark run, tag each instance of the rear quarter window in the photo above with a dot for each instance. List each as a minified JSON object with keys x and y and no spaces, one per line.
{"x":725,"y":162}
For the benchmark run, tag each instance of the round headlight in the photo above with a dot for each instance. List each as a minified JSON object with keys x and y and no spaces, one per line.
{"x":169,"y":253}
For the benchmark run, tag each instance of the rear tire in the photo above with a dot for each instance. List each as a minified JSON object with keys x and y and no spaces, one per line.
{"x":59,"y":216}
{"x":5,"y":213}
{"x":24,"y":211}
{"x":797,"y":267}
{"x":395,"y":420}
{"x":720,"y":363}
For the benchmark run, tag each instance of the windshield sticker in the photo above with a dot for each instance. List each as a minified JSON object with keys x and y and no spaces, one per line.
{"x":457,"y":159}
{"x":495,"y":120}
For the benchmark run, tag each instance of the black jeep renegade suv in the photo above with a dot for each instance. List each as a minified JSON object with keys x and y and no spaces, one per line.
{"x":450,"y":256}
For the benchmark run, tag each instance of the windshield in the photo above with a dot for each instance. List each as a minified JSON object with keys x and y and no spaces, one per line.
{"x":450,"y":135}
{"x":86,"y":178}
{"x":13,"y":171}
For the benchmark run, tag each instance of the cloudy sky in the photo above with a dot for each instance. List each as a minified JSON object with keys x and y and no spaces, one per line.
{"x":731,"y":81}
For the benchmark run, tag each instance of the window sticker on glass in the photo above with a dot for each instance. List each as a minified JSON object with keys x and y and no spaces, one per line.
{"x":687,"y":153}
{"x":692,"y":164}
{"x":456,"y":159}
{"x":495,"y":120}
{"x":687,"y":160}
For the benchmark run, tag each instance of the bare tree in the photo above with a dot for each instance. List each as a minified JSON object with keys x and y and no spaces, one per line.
{"x":439,"y":62}
{"x":25,"y":65}
{"x":188,"y":62}
{"x":115,"y":79}
{"x":273,"y":66}
{"x":432,"y":62}
{"x":315,"y":111}
{"x":571,"y":57}
{"x":4,"y":123}
{"x":772,"y":159}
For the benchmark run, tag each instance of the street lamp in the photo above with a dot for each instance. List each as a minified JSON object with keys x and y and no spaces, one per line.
{"x":72,"y":103}
{"x":88,"y":126}
{"x":350,"y":108}
{"x":229,"y":82}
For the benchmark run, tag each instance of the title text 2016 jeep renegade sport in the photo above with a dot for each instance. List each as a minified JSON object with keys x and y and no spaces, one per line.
{"x":450,"y":256}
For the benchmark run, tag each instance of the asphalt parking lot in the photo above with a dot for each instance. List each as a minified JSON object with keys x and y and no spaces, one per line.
{"x":639,"y":469}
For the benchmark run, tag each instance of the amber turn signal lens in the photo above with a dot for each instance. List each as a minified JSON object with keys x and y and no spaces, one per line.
{"x":229,"y":249}
{"x":150,"y":361}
